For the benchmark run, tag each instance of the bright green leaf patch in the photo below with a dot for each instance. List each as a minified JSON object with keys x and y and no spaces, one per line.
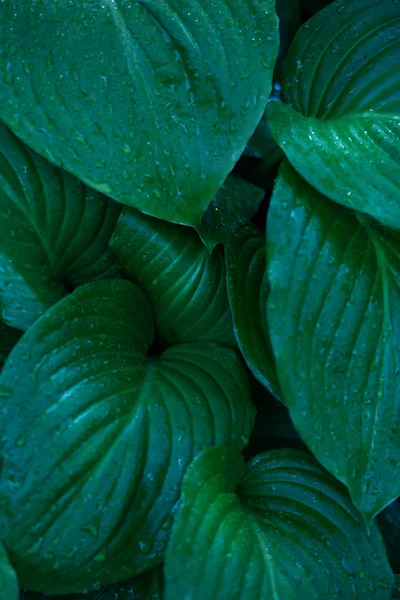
{"x":282,"y":528}
{"x":54,"y":233}
{"x":99,"y":432}
{"x":334,"y":321}
{"x":341,"y":127}
{"x":248,"y":291}
{"x":150,"y":102}
{"x":186,"y":286}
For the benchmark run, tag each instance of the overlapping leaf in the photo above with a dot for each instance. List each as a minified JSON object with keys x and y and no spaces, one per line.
{"x":286,"y":529}
{"x":186,"y":286}
{"x":150,"y":102}
{"x":248,"y":290}
{"x":334,"y":320}
{"x":341,"y":128}
{"x":54,"y":232}
{"x":96,"y":433}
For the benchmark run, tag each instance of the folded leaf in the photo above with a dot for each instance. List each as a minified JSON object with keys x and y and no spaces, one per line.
{"x":248,"y":290}
{"x":8,"y":579}
{"x":341,"y":130}
{"x":286,"y":529}
{"x":186,"y":286}
{"x":157,"y":115}
{"x":334,"y":321}
{"x":98,"y":434}
{"x":54,"y":232}
{"x":236,"y":199}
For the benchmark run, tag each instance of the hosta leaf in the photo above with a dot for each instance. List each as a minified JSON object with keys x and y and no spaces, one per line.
{"x":389,"y":524}
{"x":148,"y":586}
{"x":98,"y":434}
{"x":236,"y":199}
{"x":54,"y":232}
{"x":157,"y":115}
{"x":341,"y":130}
{"x":334,"y":320}
{"x":186,"y":286}
{"x":286,"y":529}
{"x":8,"y":579}
{"x":248,"y":290}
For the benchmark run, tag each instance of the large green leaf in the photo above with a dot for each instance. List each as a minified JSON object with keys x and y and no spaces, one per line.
{"x":236,"y":199}
{"x":54,"y":232}
{"x":151,"y":102}
{"x":248,"y":290}
{"x":285,"y":530}
{"x":99,"y":432}
{"x":148,"y":586}
{"x":8,"y":580}
{"x":186,"y":286}
{"x":341,"y":129}
{"x":334,"y":320}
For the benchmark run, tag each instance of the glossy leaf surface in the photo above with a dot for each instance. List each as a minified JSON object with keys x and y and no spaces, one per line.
{"x":284,"y":528}
{"x":334,"y":320}
{"x":186,"y":286}
{"x":151,"y":102}
{"x":99,"y":433}
{"x":54,"y":232}
{"x":341,"y":128}
{"x":389,"y":524}
{"x":248,"y":291}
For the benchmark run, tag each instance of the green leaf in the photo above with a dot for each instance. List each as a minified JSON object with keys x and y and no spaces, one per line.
{"x":334,"y":320}
{"x":286,"y":529}
{"x":8,"y":578}
{"x":389,"y":524}
{"x":8,"y":338}
{"x":236,"y":199}
{"x":54,"y":232}
{"x":158,"y":115}
{"x":186,"y":286}
{"x":99,"y":432}
{"x":341,"y":127}
{"x":248,"y":290}
{"x":148,"y":586}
